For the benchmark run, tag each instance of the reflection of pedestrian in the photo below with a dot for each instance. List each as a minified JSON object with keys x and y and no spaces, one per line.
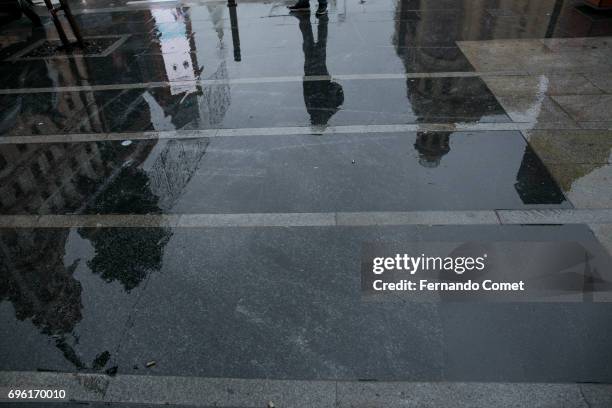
{"x":304,"y":6}
{"x":322,"y":97}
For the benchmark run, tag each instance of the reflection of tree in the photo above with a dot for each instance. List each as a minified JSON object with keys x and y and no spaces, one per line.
{"x":126,"y":254}
{"x":431,"y":147}
{"x":128,"y":193}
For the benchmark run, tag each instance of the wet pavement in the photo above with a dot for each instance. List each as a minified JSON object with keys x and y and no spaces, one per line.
{"x":396,"y":107}
{"x":280,"y":303}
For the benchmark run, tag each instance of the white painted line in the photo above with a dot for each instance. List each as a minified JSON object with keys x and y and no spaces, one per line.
{"x":270,"y":131}
{"x":318,"y":219}
{"x":249,"y":80}
{"x":240,"y":393}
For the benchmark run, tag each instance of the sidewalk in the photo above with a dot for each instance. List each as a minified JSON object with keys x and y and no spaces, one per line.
{"x":199,"y":192}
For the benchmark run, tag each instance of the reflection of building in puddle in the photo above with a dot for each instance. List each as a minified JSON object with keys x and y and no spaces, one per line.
{"x":50,"y":112}
{"x":215,"y":99}
{"x":49,"y":178}
{"x":35,"y":280}
{"x":142,"y":177}
{"x":428,"y":44}
{"x":534,"y":183}
{"x":173,"y":168}
{"x":432,"y":146}
{"x":102,"y":177}
{"x":176,"y":43}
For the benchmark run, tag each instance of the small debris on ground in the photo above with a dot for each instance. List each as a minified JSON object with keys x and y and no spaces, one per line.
{"x":271,"y":404}
{"x":150,"y":363}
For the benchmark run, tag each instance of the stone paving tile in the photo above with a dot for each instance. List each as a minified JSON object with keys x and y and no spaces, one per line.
{"x":602,"y":80}
{"x":535,"y":85}
{"x":585,"y":185}
{"x":605,"y":125}
{"x":396,"y":395}
{"x":603,"y":232}
{"x":539,"y":109}
{"x":352,"y":172}
{"x":586,"y":107}
{"x":578,"y":44}
{"x":575,"y":146}
{"x":532,"y":56}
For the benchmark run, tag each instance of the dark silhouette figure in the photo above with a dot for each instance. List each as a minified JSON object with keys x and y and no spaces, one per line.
{"x":322,"y":97}
{"x":431,"y":147}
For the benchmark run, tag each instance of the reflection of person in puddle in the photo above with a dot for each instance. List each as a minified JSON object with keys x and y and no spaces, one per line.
{"x":322,"y":97}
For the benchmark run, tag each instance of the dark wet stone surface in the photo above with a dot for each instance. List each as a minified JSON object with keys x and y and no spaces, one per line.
{"x":386,"y":172}
{"x":189,"y":106}
{"x":275,"y":303}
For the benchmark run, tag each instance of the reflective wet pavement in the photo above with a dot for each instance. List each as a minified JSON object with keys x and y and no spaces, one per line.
{"x":383,"y":106}
{"x":277,"y":303}
{"x":392,"y":172}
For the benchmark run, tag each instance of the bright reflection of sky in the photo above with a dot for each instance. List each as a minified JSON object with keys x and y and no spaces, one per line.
{"x":176,"y":49}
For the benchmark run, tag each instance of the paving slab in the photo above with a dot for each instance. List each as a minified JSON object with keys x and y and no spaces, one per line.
{"x":545,"y":84}
{"x":134,"y":391}
{"x":571,"y":147}
{"x":586,"y":107}
{"x":283,"y":303}
{"x":585,"y":185}
{"x":346,"y":173}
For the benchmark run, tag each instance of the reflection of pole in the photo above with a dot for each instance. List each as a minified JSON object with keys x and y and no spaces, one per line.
{"x":58,"y":25}
{"x":552,"y":23}
{"x":234,"y":23}
{"x":73,"y":23}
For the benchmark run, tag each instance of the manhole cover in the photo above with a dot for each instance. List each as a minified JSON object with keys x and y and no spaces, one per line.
{"x":99,"y":46}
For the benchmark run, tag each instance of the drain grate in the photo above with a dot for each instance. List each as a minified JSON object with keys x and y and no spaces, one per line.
{"x":99,"y":46}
